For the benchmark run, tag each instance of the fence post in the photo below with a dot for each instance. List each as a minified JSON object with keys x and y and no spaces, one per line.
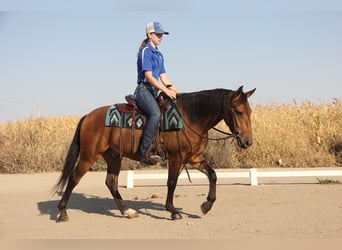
{"x":130,"y":179}
{"x":253,"y":175}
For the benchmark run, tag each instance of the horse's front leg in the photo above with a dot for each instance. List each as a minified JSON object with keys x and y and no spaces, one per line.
{"x":171,"y":186}
{"x":211,"y":174}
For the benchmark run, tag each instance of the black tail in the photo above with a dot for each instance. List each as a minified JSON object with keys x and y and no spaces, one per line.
{"x":71,"y":159}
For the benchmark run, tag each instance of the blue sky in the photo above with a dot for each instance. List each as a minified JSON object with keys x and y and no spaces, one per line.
{"x":61,"y":58}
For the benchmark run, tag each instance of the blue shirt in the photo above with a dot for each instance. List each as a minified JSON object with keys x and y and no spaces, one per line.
{"x":150,"y":59}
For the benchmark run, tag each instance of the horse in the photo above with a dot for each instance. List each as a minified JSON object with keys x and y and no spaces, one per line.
{"x":200,"y":112}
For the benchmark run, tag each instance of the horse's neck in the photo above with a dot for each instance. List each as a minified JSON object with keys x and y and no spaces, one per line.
{"x":205,"y":121}
{"x":206,"y":108}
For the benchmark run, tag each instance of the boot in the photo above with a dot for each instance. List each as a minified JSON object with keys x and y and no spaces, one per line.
{"x":150,"y":160}
{"x":151,"y":156}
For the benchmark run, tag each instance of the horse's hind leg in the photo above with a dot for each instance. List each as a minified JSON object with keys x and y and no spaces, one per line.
{"x":112,"y":180}
{"x":74,"y":179}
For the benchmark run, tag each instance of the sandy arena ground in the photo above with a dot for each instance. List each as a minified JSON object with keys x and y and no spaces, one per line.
{"x":292,"y":208}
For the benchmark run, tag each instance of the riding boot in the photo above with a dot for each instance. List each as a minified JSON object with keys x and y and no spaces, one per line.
{"x":150,"y":157}
{"x":151,"y":160}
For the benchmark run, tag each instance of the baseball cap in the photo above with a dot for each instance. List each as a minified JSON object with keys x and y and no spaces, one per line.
{"x":155,"y":27}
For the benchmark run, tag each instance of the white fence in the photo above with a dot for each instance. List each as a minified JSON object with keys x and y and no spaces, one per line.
{"x":253,"y":174}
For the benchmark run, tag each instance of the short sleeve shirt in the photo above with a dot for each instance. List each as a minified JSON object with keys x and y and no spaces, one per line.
{"x":150,"y":59}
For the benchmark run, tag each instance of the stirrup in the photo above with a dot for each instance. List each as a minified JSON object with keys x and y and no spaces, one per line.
{"x":151,"y":160}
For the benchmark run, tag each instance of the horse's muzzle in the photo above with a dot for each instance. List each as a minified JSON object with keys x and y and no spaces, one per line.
{"x":243,"y":142}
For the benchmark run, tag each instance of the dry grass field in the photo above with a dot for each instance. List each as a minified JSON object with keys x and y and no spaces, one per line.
{"x":287,"y":135}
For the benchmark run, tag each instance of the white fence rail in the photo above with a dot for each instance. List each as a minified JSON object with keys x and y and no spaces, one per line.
{"x":253,"y":174}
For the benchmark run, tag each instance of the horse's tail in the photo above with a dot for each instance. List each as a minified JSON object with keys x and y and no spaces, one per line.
{"x":71,"y":159}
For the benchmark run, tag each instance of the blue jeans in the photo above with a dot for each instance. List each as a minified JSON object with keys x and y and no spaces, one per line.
{"x":147,"y":103}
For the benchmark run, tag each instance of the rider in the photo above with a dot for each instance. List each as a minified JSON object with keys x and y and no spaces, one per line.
{"x":152,"y":78}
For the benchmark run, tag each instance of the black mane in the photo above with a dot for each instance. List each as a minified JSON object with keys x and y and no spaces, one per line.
{"x":203,"y":104}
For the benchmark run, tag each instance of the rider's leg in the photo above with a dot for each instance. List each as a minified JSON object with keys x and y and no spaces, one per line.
{"x":148,"y":104}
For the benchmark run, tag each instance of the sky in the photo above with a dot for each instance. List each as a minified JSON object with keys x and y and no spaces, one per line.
{"x":61,"y":58}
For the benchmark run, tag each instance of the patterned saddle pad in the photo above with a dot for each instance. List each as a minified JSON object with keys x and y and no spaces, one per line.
{"x":124,"y":115}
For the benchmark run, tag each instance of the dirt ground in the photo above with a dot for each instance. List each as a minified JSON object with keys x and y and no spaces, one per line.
{"x":293,"y":208}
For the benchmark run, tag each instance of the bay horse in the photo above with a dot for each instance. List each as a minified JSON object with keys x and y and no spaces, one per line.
{"x":200,"y":112}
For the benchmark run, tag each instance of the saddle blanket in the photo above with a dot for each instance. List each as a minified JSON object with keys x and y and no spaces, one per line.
{"x":122,"y":115}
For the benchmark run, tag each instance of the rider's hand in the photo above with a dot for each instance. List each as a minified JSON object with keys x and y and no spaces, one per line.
{"x":170,"y":93}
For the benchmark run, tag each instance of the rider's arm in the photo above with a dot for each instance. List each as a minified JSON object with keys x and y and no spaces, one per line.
{"x":166,"y":81}
{"x":153,"y":81}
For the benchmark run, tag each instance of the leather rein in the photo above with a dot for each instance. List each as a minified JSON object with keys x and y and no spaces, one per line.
{"x":229,"y":135}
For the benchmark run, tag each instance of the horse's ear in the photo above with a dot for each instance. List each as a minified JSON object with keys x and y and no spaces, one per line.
{"x":239,"y":90}
{"x":238,"y":93}
{"x":251,"y":92}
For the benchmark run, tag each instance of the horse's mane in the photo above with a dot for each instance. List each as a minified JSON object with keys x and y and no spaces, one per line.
{"x":203,"y":104}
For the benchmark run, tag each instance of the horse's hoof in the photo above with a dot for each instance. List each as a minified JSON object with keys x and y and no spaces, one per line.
{"x":63,"y":217}
{"x":131,"y":213}
{"x":176,"y":216}
{"x":205,"y":207}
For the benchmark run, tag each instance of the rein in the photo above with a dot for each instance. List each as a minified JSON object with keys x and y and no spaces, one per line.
{"x":228,"y":135}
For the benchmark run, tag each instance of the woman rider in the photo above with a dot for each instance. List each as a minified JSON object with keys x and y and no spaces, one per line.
{"x":152,"y":78}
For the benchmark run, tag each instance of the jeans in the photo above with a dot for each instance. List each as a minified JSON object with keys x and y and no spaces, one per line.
{"x":147,"y":103}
